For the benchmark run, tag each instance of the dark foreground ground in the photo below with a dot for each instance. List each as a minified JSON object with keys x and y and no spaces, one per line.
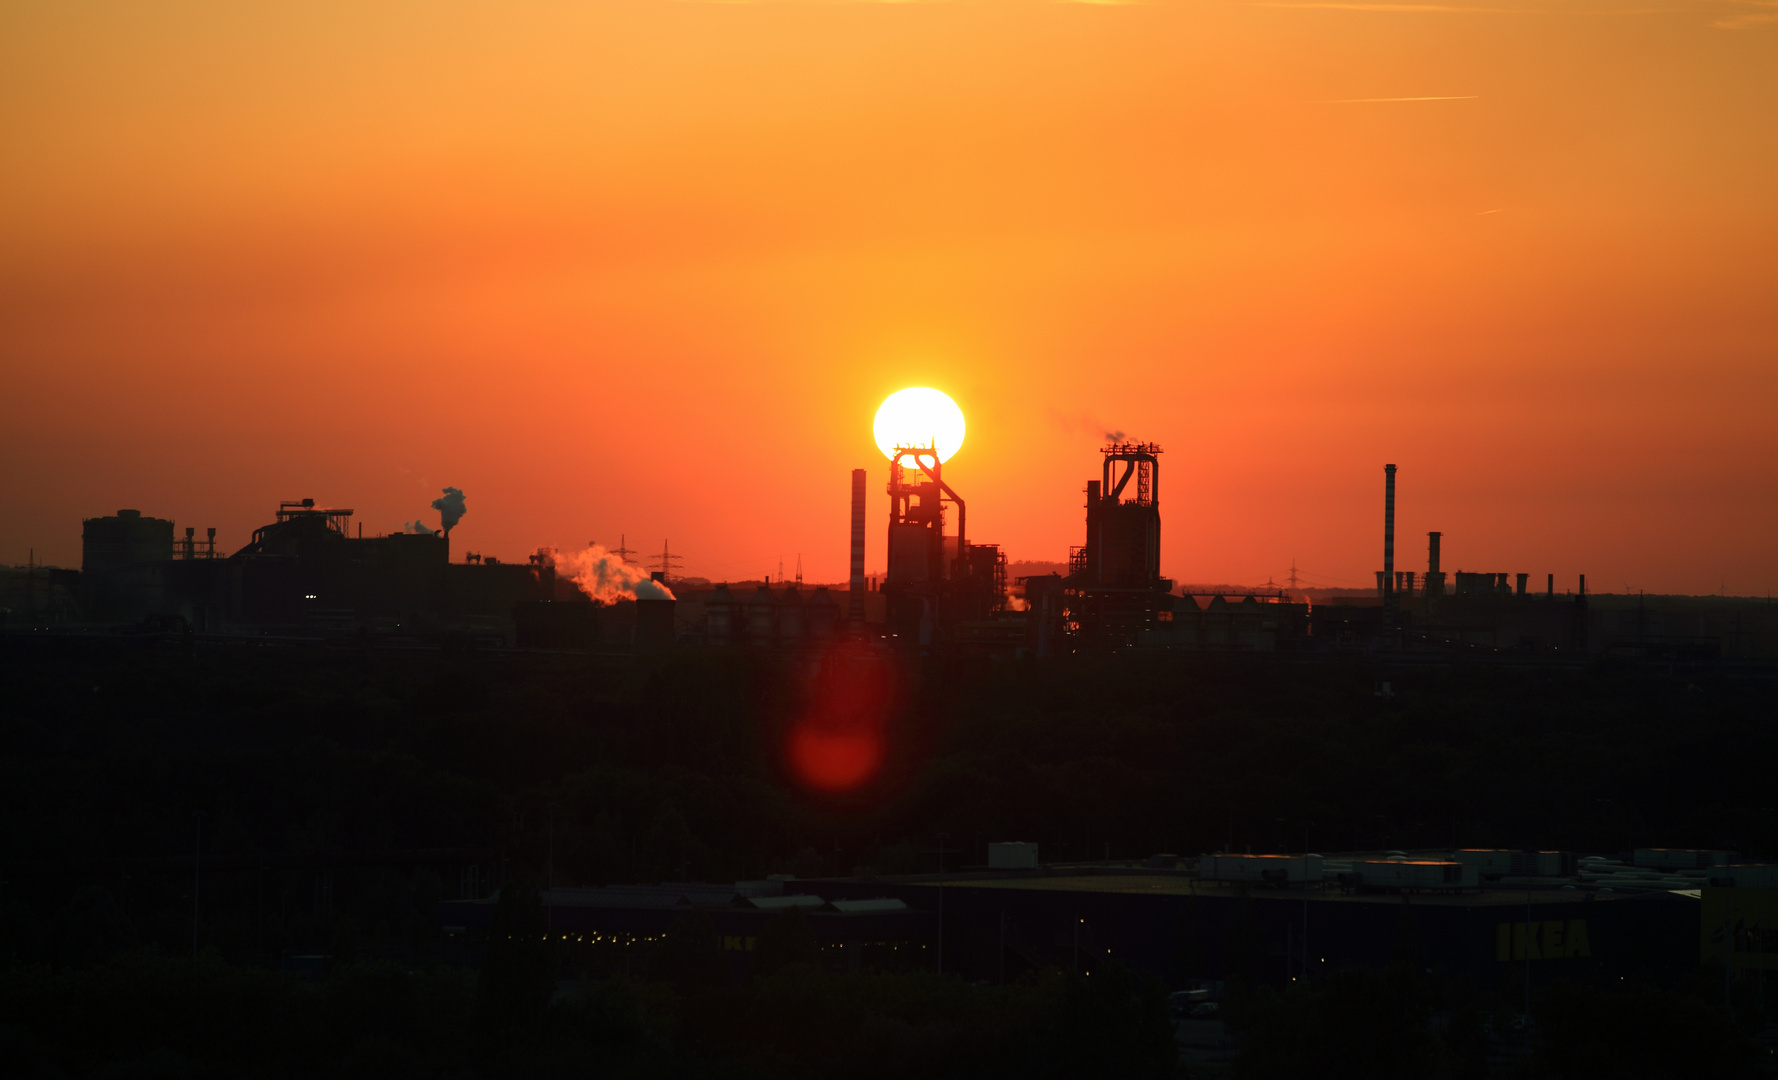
{"x":179,"y":821}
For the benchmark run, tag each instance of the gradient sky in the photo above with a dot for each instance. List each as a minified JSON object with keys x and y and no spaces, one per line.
{"x":647,"y":267}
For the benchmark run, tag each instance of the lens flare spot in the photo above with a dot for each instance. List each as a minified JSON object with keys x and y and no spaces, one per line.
{"x":834,"y":761}
{"x":840,"y":740}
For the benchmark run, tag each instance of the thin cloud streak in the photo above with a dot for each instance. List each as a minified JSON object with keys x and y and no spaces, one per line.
{"x":1367,"y":100}
{"x":812,"y":3}
{"x":1403,"y":8}
{"x":1743,"y":22}
{"x":1726,"y":22}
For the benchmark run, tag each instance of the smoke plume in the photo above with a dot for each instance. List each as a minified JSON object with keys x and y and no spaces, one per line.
{"x":450,"y":507}
{"x":604,"y":576}
{"x":417,"y":528}
{"x":1110,"y":436}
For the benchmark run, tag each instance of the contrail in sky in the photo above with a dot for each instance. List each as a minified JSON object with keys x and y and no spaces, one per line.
{"x":1411,"y":8}
{"x":1362,"y":100}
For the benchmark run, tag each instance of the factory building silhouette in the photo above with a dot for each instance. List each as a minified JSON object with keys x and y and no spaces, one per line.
{"x":311,"y":573}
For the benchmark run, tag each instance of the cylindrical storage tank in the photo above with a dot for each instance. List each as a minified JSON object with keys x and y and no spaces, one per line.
{"x":719,"y":617}
{"x":761,"y":610}
{"x":821,"y":614}
{"x":127,"y":539}
{"x":654,"y":623}
{"x":790,"y":617}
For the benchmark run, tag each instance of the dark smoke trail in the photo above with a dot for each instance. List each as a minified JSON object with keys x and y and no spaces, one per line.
{"x":450,"y":507}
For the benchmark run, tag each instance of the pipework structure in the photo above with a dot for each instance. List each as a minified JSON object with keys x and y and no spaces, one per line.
{"x":934,"y":582}
{"x":1114,"y":587}
{"x":1435,"y":578}
{"x":1123,"y":548}
{"x":917,"y":571}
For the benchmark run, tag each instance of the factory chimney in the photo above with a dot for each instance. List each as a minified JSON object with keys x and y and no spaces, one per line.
{"x":1389,"y":597}
{"x":855,"y":590}
{"x":1435,"y":578}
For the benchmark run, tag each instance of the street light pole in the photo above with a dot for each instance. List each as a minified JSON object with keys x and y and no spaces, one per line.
{"x":942,"y":837}
{"x":197,"y":877}
{"x":1527,"y":962}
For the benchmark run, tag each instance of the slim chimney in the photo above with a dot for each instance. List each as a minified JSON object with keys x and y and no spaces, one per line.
{"x":1435,"y":578}
{"x":1389,"y":600}
{"x":855,"y":589}
{"x":1552,"y":587}
{"x":1094,"y":556}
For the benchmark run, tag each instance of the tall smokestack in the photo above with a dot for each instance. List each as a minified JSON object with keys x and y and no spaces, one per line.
{"x":1389,"y":537}
{"x":855,"y":591}
{"x":1432,"y":539}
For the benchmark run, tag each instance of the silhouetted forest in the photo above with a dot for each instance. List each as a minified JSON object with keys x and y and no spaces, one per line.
{"x":332,"y":795}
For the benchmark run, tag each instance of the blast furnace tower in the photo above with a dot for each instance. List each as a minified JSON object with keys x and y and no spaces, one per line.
{"x":1114,"y":585}
{"x":934,"y":582}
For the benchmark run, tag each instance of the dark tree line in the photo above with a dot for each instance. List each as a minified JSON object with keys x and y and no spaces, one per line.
{"x":589,"y":771}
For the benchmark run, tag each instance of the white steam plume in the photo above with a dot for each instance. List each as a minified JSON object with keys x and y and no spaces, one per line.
{"x":605,"y":577}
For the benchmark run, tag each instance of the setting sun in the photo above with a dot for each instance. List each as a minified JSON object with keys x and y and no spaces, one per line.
{"x":919,"y":416}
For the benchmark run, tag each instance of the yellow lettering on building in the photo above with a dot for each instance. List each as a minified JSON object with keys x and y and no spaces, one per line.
{"x":1575,"y":943}
{"x":1549,"y":940}
{"x":1552,"y":938}
{"x":1525,"y":942}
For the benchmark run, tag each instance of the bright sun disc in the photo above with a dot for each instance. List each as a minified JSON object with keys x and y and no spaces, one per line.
{"x":919,"y":416}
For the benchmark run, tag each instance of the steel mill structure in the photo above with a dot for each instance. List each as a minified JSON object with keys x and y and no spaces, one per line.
{"x":1114,"y":590}
{"x":937,"y":587}
{"x":311,"y":574}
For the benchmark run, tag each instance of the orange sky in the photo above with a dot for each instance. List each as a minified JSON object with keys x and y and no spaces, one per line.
{"x":648,"y":267}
